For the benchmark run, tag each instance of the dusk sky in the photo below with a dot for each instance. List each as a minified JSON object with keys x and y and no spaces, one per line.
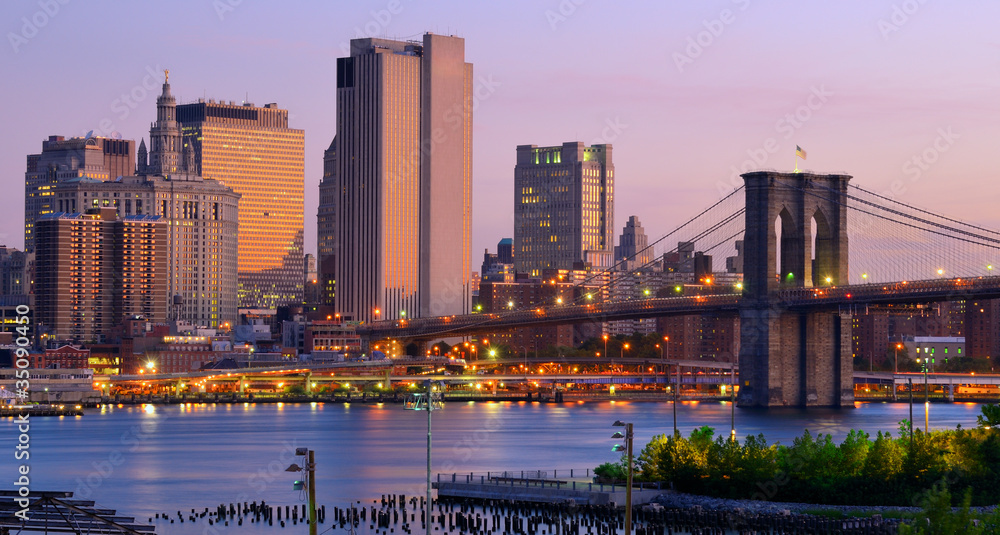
{"x":903,"y":95}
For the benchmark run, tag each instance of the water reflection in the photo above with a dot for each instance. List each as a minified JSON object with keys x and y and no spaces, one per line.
{"x":150,"y":459}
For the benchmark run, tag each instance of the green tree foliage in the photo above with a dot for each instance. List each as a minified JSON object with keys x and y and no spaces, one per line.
{"x":613,"y":471}
{"x":990,"y":416}
{"x":886,"y":470}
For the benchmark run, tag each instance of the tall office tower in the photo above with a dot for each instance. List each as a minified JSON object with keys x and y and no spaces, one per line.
{"x":95,"y":269}
{"x":563,"y":207}
{"x":631,"y":251}
{"x":403,"y":244}
{"x":62,"y":159}
{"x":253,"y":151}
{"x":326,"y":225}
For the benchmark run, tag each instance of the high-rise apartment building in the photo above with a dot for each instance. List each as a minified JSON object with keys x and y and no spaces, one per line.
{"x":95,"y":269}
{"x":62,"y":159}
{"x":201,"y":218}
{"x":403,"y":245}
{"x":563,"y":207}
{"x":326,"y":225}
{"x":631,"y":251}
{"x":201,"y":235}
{"x":254,"y":152}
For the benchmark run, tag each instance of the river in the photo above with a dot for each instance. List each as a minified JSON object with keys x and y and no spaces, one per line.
{"x":142,"y":460}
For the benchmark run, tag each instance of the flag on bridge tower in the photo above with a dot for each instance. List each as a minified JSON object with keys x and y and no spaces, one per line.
{"x":799,"y":153}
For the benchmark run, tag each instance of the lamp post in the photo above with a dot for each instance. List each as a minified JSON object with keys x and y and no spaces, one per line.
{"x":677,"y":388}
{"x":310,"y":470}
{"x":427,"y":405}
{"x":605,"y":344}
{"x":927,"y":401}
{"x":909,"y":381}
{"x":628,"y":489}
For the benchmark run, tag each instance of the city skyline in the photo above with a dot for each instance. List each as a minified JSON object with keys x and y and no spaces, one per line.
{"x":897,"y":94}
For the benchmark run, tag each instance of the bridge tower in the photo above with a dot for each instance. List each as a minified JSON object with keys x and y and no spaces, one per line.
{"x":792,"y":357}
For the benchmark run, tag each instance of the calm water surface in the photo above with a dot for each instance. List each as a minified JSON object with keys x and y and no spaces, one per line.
{"x":143,"y":460}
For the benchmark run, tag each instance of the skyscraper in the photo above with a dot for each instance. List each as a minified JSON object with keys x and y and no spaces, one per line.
{"x":563,"y":207}
{"x":94,"y":269}
{"x":62,"y":159}
{"x":254,"y":152}
{"x":631,"y":252}
{"x":403,"y":244}
{"x":326,"y":225}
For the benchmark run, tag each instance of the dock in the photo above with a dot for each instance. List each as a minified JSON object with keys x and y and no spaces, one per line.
{"x":541,"y":486}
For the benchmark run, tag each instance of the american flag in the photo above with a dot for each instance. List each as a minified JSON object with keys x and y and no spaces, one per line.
{"x":799,"y":152}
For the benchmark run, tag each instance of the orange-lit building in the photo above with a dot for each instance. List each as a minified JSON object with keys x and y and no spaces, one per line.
{"x":96,"y":269}
{"x":255,"y":153}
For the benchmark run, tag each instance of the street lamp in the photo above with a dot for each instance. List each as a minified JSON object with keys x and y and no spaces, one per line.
{"x":605,"y":344}
{"x":310,"y":483}
{"x":628,"y":448}
{"x":895,"y":363}
{"x":419,"y":402}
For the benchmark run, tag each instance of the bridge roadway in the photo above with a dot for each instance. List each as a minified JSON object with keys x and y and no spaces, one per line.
{"x":377,"y":368}
{"x":933,"y":378}
{"x":922,"y":291}
{"x":379,"y":371}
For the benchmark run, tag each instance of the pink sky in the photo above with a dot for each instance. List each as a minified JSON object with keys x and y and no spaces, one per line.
{"x":863,"y":87}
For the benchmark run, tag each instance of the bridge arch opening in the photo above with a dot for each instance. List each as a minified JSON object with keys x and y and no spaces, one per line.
{"x":788,"y":249}
{"x":823,"y":265}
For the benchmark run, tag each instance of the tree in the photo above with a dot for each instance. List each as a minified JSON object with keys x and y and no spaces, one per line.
{"x":990,"y":416}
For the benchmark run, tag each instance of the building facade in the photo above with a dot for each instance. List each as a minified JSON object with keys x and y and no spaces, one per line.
{"x":563,"y":207}
{"x":403,"y":245}
{"x":62,"y":159}
{"x":95,"y":269}
{"x":200,"y":236}
{"x":326,"y":225}
{"x":253,"y":151}
{"x":14,"y":271}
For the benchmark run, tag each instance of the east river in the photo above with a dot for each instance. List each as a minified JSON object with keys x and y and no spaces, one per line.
{"x":143,"y":460}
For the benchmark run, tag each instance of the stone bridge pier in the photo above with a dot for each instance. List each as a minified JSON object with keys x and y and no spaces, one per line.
{"x":796,"y":237}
